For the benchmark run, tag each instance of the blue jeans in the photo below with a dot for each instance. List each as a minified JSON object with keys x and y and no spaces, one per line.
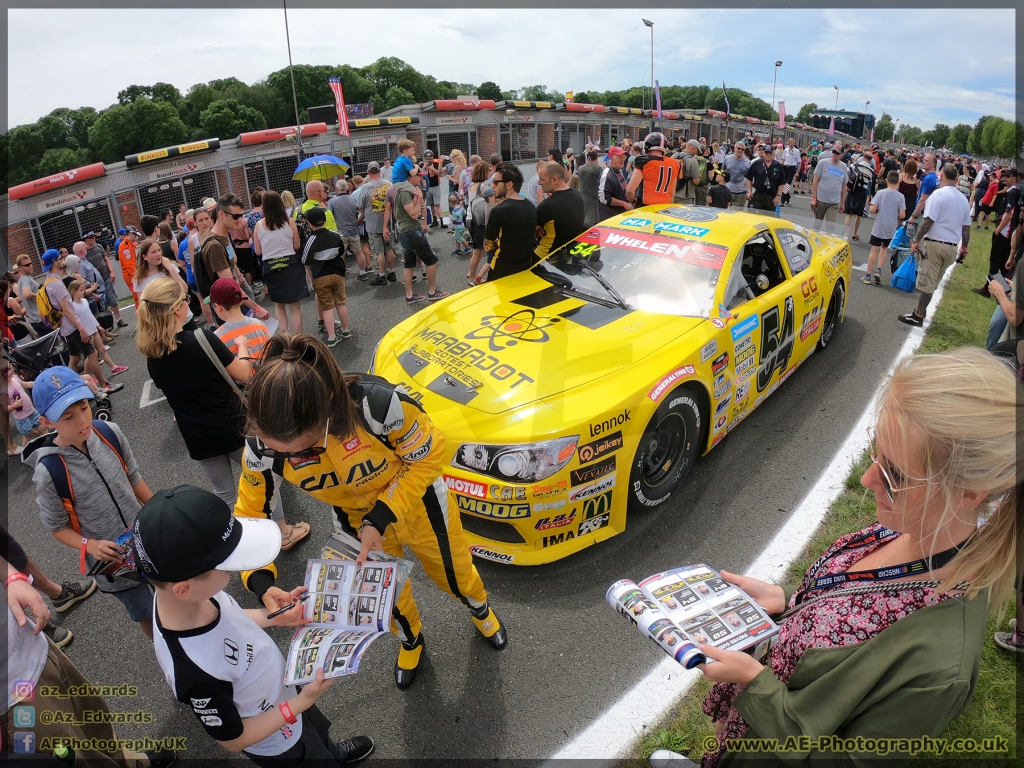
{"x":996,"y":326}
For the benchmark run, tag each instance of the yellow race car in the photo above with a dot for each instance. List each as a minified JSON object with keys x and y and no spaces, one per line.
{"x":587,"y":387}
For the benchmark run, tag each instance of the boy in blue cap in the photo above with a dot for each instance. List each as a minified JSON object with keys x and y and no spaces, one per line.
{"x":88,"y":484}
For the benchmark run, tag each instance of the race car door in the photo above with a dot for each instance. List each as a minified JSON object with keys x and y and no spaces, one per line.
{"x":810,"y":303}
{"x":763,"y":333}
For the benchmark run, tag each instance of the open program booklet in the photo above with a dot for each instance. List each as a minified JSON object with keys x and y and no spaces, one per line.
{"x":694,"y":604}
{"x":350,"y":606}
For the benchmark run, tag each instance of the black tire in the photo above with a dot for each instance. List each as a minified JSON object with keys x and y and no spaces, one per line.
{"x":832,"y":315}
{"x":102,"y":410}
{"x":668,"y":449}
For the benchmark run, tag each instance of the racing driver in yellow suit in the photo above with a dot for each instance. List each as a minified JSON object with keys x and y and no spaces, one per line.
{"x":369,"y":450}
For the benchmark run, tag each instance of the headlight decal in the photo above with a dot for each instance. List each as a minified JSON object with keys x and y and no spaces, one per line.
{"x":522,"y":463}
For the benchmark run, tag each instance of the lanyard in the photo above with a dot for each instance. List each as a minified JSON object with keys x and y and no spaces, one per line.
{"x":888,"y":572}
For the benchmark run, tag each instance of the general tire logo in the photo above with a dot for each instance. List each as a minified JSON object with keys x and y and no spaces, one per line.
{"x":522,"y":326}
{"x":598,"y":448}
{"x":594,"y":472}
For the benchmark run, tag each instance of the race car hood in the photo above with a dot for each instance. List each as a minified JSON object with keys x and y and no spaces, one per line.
{"x":505,"y":344}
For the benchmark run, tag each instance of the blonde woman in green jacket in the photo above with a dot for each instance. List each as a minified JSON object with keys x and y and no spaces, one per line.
{"x":894,"y":652}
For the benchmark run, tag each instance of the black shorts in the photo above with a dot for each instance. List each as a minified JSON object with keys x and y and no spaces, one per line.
{"x":416,"y":246}
{"x":78,"y":347}
{"x":476,"y":231}
{"x":244,"y":259}
{"x":879,"y":241}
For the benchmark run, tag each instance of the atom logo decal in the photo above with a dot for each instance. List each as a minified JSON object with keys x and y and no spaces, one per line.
{"x":503,"y":332}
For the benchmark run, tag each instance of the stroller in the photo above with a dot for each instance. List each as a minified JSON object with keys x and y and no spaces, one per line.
{"x":899,"y":247}
{"x":32,"y":358}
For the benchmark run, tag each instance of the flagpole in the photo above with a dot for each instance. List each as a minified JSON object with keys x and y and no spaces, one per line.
{"x":291,"y":73}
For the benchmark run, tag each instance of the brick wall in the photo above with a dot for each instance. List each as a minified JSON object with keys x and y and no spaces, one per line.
{"x":487,"y":140}
{"x":222,"y":182}
{"x":416,"y":137}
{"x":128,"y":209}
{"x":18,"y":240}
{"x":238,"y":183}
{"x":545,"y":138}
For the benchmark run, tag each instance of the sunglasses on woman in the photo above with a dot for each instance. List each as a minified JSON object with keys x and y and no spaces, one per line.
{"x":305,"y":453}
{"x":892,"y":479}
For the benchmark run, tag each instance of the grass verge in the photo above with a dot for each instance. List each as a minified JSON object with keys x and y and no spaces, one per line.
{"x":961,"y":320}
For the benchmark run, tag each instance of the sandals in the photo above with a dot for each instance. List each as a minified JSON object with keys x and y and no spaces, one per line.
{"x":290,"y":539}
{"x":856,"y":237}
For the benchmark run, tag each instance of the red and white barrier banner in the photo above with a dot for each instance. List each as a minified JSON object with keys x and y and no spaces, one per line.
{"x":575,"y":106}
{"x":276,"y":134}
{"x":443,"y":105}
{"x":61,"y":179}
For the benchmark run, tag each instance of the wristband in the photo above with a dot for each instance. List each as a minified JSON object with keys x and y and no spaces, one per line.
{"x":16,"y":576}
{"x":81,"y":558}
{"x":289,"y":717}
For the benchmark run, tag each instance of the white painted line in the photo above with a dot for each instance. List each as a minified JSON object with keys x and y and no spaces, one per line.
{"x":147,"y":398}
{"x":861,"y":267}
{"x":612,"y":735}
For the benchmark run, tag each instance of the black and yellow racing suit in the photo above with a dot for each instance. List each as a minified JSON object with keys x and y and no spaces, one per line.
{"x":389,"y":473}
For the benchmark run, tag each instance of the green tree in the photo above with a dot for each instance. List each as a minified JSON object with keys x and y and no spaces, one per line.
{"x":883,"y":128}
{"x":396,"y":97}
{"x":988,"y":136}
{"x":1009,"y":140}
{"x":959,"y":136}
{"x":135,"y":127}
{"x":227,"y":118}
{"x":57,"y":160}
{"x":804,"y":115}
{"x":489,"y":90}
{"x":940,"y":135}
{"x":390,"y":72}
{"x":979,"y":129}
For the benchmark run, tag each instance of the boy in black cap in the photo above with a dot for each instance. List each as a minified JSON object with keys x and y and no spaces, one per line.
{"x":215,"y":655}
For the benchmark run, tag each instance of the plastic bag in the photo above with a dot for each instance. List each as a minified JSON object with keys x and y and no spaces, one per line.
{"x":905,"y":277}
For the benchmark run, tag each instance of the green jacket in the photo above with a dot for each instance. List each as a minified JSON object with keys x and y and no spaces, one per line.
{"x":908,"y":681}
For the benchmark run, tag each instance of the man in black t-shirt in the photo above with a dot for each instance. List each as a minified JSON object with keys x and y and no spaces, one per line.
{"x":511,"y":226}
{"x":434,"y":172}
{"x":560,"y":216}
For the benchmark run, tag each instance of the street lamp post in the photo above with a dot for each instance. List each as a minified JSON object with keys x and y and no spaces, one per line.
{"x":291,"y":73}
{"x":865,"y":118}
{"x":837,"y":97}
{"x":650,"y":24}
{"x":512,"y":114}
{"x":775,"y":76}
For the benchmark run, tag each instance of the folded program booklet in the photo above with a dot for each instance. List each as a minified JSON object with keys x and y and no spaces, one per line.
{"x":342,"y":546}
{"x":694,"y":604}
{"x":351,"y":607}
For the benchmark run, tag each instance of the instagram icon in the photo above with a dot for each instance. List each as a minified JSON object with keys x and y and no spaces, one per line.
{"x":23,"y":690}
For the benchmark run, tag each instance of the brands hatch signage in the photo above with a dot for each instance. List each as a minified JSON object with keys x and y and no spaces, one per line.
{"x":66,"y":200}
{"x":177,"y":169}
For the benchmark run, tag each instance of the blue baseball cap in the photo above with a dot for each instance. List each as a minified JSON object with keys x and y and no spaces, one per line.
{"x":57,"y":388}
{"x":49,"y":256}
{"x":122,"y":231}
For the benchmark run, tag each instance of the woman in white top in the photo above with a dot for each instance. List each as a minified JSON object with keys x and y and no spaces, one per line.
{"x":275,"y":240}
{"x":152,"y":264}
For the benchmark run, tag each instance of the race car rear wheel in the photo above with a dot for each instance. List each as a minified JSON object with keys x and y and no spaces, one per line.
{"x":832,"y":315}
{"x":667,"y":449}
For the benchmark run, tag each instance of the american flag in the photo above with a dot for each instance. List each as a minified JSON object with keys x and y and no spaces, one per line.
{"x":832,"y":126}
{"x":339,"y":104}
{"x":657,"y":98}
{"x":872,"y":134}
{"x":726,"y":94}
{"x":782,"y":114}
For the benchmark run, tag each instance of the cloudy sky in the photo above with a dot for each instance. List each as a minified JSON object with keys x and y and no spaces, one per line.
{"x":870,"y":54}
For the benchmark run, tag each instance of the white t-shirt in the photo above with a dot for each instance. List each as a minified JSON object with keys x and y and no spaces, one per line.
{"x":85,"y":316}
{"x":950,"y":211}
{"x":227,"y":671}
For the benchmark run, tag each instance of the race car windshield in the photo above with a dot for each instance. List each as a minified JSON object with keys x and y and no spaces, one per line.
{"x":652,"y":273}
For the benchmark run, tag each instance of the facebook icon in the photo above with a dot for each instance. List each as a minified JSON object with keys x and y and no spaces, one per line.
{"x":24,"y":741}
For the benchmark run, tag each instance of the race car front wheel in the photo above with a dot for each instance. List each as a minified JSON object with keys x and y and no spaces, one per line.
{"x":832,"y":315}
{"x":667,"y":449}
